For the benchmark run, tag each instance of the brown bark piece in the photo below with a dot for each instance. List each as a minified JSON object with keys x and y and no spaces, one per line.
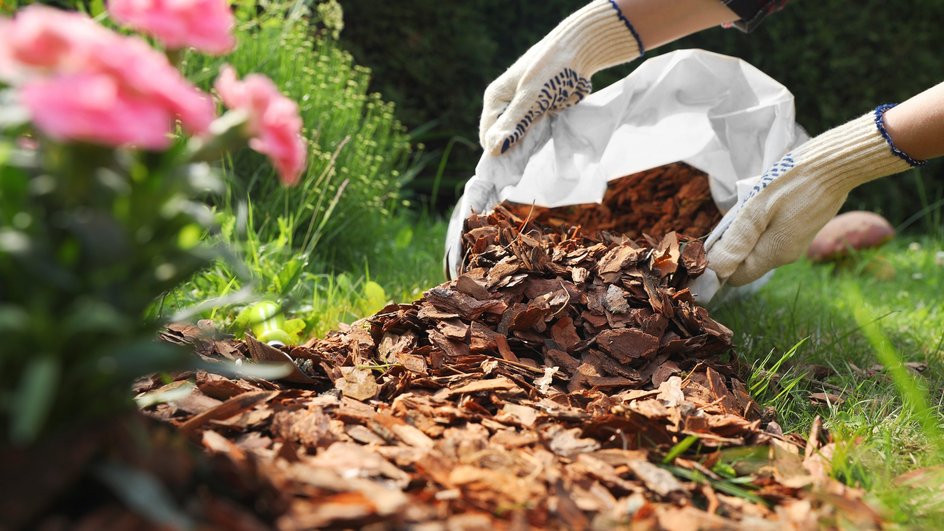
{"x":627,"y":344}
{"x":230,"y":408}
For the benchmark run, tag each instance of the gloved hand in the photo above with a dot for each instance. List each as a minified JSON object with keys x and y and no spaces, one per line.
{"x":777,"y":221}
{"x":555,"y":73}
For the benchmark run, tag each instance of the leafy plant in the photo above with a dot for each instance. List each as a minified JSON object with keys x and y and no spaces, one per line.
{"x":764,"y":378}
{"x":88,"y":238}
{"x":102,"y":209}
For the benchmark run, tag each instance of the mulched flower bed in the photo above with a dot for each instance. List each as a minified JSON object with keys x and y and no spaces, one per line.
{"x":565,"y":379}
{"x":554,"y":384}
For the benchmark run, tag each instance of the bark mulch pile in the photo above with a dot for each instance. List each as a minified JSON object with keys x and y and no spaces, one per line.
{"x":564,"y":380}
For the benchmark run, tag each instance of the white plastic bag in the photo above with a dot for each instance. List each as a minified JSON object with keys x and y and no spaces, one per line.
{"x":714,"y":112}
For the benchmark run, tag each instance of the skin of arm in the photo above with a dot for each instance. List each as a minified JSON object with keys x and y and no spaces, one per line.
{"x":659,"y":21}
{"x":917,"y":125}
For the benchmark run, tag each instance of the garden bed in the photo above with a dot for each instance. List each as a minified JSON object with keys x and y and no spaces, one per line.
{"x":564,"y":380}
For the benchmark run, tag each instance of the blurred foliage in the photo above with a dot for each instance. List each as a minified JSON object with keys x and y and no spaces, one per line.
{"x":89,"y":238}
{"x":840,"y":59}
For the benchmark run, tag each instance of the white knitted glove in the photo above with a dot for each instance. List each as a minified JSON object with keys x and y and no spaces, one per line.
{"x":775,"y":224}
{"x":555,"y":73}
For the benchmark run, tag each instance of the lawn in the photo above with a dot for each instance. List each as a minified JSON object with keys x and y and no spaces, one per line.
{"x":878,"y":436}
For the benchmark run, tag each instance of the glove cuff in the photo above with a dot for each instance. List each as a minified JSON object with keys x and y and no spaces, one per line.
{"x":600,"y":36}
{"x":880,"y":124}
{"x":853,"y":154}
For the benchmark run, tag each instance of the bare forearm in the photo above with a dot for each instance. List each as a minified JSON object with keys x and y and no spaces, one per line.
{"x":659,"y":21}
{"x":917,"y":125}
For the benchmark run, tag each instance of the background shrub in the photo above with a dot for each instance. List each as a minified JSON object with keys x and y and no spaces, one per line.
{"x":839,"y":58}
{"x":359,"y":151}
{"x":342,"y":243}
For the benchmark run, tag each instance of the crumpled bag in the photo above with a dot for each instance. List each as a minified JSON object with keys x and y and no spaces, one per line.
{"x":714,"y":112}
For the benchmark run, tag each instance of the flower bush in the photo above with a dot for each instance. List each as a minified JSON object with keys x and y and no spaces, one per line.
{"x":106,"y":157}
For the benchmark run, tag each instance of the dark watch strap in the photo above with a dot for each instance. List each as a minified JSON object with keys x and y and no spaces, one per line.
{"x":752,"y":12}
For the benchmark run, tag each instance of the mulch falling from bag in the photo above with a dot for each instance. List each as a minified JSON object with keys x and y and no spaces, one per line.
{"x":674,"y":197}
{"x":565,"y":379}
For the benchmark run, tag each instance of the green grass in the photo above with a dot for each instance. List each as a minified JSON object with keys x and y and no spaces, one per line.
{"x":396,"y":268}
{"x":881,"y":309}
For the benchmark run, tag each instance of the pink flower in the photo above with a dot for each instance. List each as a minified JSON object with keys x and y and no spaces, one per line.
{"x":148,"y":74}
{"x":95,"y":108}
{"x":274,"y":123}
{"x":42,"y":40}
{"x":206,"y":25}
{"x":116,"y":80}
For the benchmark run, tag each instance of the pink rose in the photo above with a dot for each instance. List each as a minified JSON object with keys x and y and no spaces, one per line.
{"x":206,"y":25}
{"x":95,"y":108}
{"x":274,"y":123}
{"x":42,"y":50}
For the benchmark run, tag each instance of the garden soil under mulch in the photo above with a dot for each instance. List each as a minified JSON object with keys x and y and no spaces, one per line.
{"x":566,"y":379}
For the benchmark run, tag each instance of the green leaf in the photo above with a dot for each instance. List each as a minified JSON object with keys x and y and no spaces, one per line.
{"x":289,"y":274}
{"x":679,"y":448}
{"x":294,"y":327}
{"x":403,"y":238}
{"x":189,"y":236}
{"x":375,"y":297}
{"x":6,"y":149}
{"x":724,"y":469}
{"x":344,"y":282}
{"x":723,"y":486}
{"x":96,"y":8}
{"x":34,"y":398}
{"x":259,"y":316}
